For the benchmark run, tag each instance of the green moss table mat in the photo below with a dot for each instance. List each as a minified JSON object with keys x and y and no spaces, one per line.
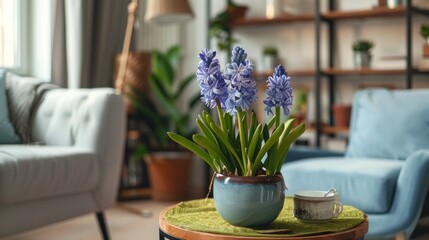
{"x":201,"y":216}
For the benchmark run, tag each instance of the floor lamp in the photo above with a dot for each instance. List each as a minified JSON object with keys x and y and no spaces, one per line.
{"x":160,"y":11}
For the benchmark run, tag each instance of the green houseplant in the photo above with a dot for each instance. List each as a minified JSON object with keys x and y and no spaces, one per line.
{"x":269,"y":58}
{"x":237,"y":147}
{"x":362,"y":53}
{"x":220,"y":25}
{"x":168,"y":163}
{"x":424,"y":32}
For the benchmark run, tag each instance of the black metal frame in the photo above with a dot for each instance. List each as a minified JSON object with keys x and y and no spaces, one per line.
{"x":103,"y":226}
{"x":332,"y":40}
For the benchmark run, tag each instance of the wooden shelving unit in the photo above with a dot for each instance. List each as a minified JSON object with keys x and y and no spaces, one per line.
{"x":331,"y":74}
{"x":405,"y":12}
{"x":335,"y":130}
{"x":364,"y":71}
{"x":251,"y":22}
{"x":368,"y":13}
{"x":293,"y":73}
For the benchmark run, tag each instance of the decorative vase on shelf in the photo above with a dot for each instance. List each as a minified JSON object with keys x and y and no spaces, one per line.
{"x":362,"y":59}
{"x":269,"y":58}
{"x":249,"y":201}
{"x":362,"y":53}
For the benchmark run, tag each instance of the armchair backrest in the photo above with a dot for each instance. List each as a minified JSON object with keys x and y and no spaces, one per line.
{"x":389,"y":124}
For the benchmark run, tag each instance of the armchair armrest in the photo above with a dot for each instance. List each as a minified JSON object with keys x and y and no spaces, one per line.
{"x":92,"y":119}
{"x":411,"y":189}
{"x":297,"y":153}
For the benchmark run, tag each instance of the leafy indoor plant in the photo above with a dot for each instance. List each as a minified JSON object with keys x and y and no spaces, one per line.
{"x":220,"y":25}
{"x":424,"y":32}
{"x":269,"y":58}
{"x":237,"y":147}
{"x":161,"y":113}
{"x":362,"y":53}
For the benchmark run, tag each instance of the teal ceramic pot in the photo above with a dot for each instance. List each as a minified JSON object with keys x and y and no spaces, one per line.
{"x":249,"y":201}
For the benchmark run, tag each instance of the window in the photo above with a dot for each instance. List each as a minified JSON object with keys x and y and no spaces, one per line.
{"x":8,"y":33}
{"x":12,"y":45}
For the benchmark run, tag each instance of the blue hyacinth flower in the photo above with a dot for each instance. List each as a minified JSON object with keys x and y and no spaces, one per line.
{"x":279,"y":92}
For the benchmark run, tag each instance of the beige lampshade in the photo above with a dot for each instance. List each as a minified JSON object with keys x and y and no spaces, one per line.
{"x":168,"y":11}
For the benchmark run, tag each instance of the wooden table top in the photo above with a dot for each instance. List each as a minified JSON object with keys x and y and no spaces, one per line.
{"x":355,"y":233}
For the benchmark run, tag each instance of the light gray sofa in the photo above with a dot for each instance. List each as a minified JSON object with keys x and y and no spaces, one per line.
{"x":74,"y":171}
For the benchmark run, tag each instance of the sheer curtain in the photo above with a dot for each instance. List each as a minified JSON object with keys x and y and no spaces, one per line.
{"x":87,"y":35}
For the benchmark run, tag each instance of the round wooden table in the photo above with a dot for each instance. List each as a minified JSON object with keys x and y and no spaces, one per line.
{"x":171,"y":232}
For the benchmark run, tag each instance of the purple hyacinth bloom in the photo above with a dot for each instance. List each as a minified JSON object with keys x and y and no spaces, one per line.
{"x":279,"y":92}
{"x":210,"y":79}
{"x":238,"y":77}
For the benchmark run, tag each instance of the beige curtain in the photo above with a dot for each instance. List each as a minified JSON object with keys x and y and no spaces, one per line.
{"x":87,"y":35}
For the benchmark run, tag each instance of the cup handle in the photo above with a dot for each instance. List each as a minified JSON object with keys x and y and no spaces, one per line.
{"x":338,"y":209}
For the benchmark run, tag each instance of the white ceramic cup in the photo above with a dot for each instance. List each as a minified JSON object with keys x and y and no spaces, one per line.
{"x":316,"y":205}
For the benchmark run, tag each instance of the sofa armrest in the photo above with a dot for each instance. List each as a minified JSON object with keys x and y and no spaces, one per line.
{"x":297,"y":153}
{"x":411,"y":190}
{"x":87,"y":118}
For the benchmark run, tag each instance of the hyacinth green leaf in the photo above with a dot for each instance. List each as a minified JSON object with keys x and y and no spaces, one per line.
{"x":222,"y":147}
{"x":288,"y":127}
{"x":271,"y":122}
{"x":285,"y":145}
{"x":273,"y":154}
{"x":212,"y":148}
{"x":245,"y":127}
{"x":265,"y":133}
{"x":192,"y":147}
{"x":224,"y":142}
{"x":254,"y":142}
{"x":268,"y":144}
{"x":206,"y":131}
{"x":229,"y":123}
{"x":253,"y":125}
{"x":224,"y":139}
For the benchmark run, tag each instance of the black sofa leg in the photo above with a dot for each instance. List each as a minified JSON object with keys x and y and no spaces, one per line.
{"x":102,"y":224}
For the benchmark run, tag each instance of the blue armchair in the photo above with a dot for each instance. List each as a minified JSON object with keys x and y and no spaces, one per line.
{"x":385,"y":170}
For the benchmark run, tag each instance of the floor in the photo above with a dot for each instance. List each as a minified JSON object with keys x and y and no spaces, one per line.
{"x":129,"y":220}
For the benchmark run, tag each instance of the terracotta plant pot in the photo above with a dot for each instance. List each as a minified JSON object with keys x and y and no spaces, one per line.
{"x":426,"y":50}
{"x":169,"y":175}
{"x":237,"y":12}
{"x":342,"y":115}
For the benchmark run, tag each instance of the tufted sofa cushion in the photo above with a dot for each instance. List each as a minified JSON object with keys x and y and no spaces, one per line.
{"x":368,"y":184}
{"x":34,"y":172}
{"x":389,"y":124}
{"x":71,"y":117}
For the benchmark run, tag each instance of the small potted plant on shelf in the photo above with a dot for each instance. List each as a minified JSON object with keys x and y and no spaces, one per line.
{"x":424,"y":32}
{"x":362,"y":53}
{"x":220,"y":25}
{"x":168,"y":163}
{"x":269,"y":58}
{"x":299,"y":109}
{"x":246,"y":155}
